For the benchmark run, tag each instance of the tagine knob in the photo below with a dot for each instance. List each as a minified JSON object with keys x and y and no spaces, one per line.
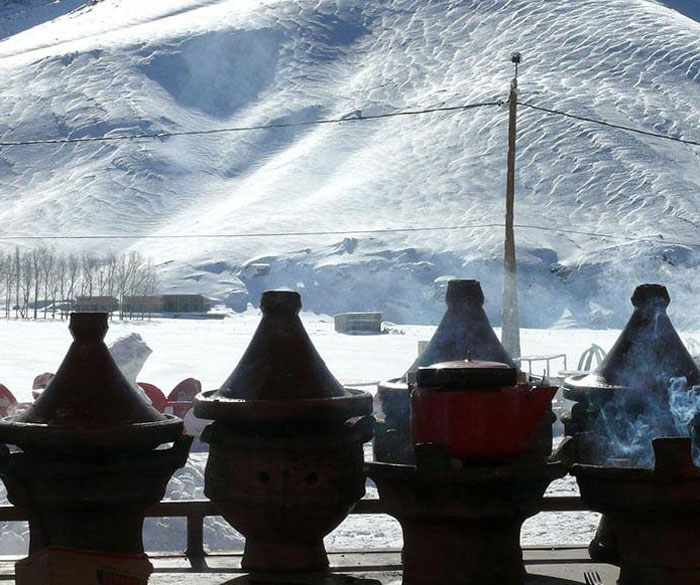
{"x":650,"y":296}
{"x":280,"y":302}
{"x":88,"y":327}
{"x":464,"y":292}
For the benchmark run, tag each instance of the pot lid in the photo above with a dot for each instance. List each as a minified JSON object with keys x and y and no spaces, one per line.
{"x":279,"y":371}
{"x":464,"y":374}
{"x":89,"y":401}
{"x":647,"y":353}
{"x":463,"y":329}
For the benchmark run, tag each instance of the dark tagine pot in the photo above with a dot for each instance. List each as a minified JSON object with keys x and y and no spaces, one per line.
{"x":462,"y":504}
{"x":463,"y":330}
{"x":286,"y":448}
{"x":88,"y":467}
{"x":630,"y":391}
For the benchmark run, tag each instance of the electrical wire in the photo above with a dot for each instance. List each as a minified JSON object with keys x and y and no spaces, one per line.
{"x":609,"y":124}
{"x":354,"y":117}
{"x":596,"y":235}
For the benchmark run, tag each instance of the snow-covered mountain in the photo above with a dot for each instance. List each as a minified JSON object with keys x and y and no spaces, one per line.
{"x":73,"y":68}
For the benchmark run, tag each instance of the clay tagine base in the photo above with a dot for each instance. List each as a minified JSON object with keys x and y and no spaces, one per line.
{"x":463,"y":525}
{"x":653,"y":514}
{"x":285,"y":494}
{"x":58,"y":566}
{"x":90,"y":505}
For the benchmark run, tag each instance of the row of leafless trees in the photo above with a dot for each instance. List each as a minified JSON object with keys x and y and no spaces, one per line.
{"x":41,"y":283}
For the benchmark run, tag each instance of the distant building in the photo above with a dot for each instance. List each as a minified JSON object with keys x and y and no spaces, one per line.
{"x":358,"y":322}
{"x":145,"y":305}
{"x":166,"y":304}
{"x":185,"y":304}
{"x":96,"y":304}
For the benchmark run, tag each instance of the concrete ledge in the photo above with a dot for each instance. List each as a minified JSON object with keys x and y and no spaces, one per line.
{"x":545,"y":566}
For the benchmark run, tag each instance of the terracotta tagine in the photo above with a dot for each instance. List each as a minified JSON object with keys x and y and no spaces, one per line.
{"x":88,"y":467}
{"x":463,"y":330}
{"x":631,"y":383}
{"x":286,"y":448}
{"x":654,"y":512}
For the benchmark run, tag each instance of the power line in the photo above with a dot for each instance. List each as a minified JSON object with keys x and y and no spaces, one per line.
{"x":354,"y":117}
{"x":597,"y":235}
{"x":610,"y":124}
{"x":248,"y":235}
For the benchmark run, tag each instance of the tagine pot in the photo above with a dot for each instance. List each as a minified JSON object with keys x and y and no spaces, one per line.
{"x":632,"y":380}
{"x":89,"y":466}
{"x":464,"y":329}
{"x":654,"y":511}
{"x":286,"y":449}
{"x":644,"y":357}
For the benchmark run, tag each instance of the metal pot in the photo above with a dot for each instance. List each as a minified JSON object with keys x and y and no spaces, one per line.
{"x":476,"y":408}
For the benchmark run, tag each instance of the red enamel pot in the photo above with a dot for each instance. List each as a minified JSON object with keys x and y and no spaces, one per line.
{"x":477,"y":408}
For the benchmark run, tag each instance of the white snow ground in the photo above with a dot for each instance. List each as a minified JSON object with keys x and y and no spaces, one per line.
{"x":73,"y":68}
{"x":209,"y":350}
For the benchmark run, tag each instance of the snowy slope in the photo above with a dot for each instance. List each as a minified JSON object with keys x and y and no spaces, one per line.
{"x":115,"y":67}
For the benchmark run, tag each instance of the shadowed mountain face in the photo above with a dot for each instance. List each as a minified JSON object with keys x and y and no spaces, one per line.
{"x":129,"y":67}
{"x":21,"y":15}
{"x":215,"y":73}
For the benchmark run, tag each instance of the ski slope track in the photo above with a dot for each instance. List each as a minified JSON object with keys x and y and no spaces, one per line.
{"x":112,"y":67}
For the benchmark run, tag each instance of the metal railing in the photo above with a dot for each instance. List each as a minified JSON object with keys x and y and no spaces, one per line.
{"x":194,"y":511}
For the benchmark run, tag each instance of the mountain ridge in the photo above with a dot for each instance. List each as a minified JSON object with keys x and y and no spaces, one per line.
{"x":117,"y":67}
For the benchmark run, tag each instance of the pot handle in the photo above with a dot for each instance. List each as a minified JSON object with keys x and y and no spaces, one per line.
{"x":363,"y":425}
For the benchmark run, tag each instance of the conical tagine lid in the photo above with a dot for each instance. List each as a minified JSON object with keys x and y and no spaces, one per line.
{"x":646,"y":355}
{"x":463,"y":330}
{"x":89,"y":401}
{"x":281,"y":376}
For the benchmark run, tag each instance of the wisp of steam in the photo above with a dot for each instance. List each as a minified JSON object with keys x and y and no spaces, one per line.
{"x":628,"y":422}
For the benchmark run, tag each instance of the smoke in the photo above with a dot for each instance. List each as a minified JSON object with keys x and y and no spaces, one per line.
{"x":626,"y":424}
{"x":684,"y":405}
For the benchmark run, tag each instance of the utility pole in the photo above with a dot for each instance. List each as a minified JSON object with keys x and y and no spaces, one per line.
{"x":510,"y":333}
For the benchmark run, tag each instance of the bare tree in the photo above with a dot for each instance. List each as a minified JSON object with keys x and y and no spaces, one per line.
{"x":17,"y":273}
{"x":59,"y":279}
{"x":89,"y":263}
{"x":145,"y":284}
{"x":4,"y":268}
{"x":26,"y":282}
{"x":127,"y":272}
{"x":10,"y":276}
{"x":111,"y":263}
{"x":35,"y":255}
{"x":101,"y":277}
{"x":46,"y":261}
{"x":10,"y":284}
{"x":73,"y":278}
